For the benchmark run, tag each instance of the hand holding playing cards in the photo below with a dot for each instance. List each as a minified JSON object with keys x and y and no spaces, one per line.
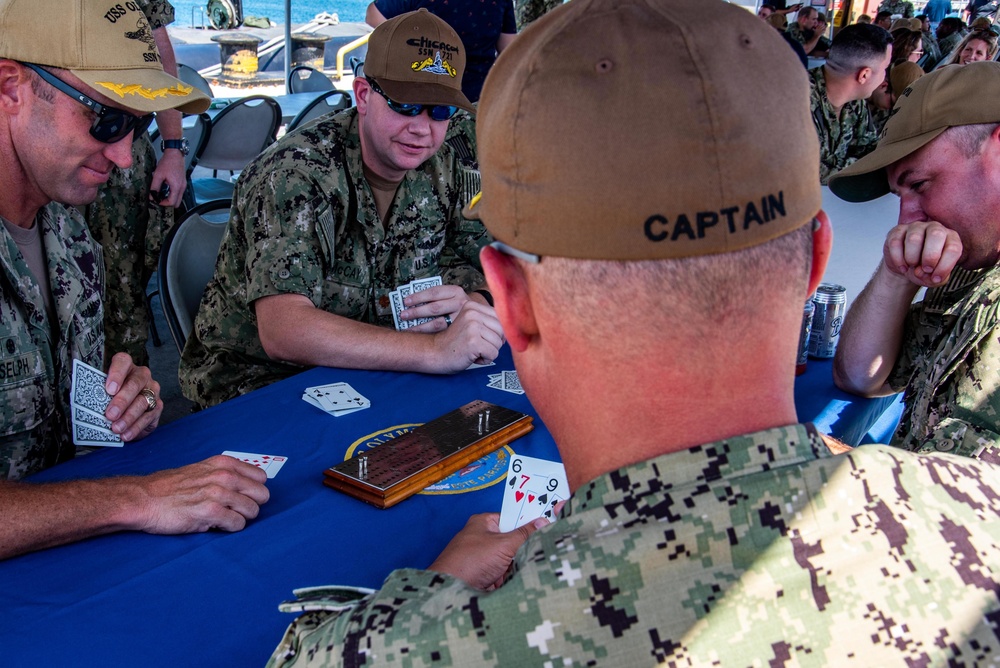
{"x":129,"y":411}
{"x":434,"y":303}
{"x":479,"y":554}
{"x":218,"y":493}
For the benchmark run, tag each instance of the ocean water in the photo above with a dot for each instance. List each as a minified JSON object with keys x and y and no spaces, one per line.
{"x":302,"y":10}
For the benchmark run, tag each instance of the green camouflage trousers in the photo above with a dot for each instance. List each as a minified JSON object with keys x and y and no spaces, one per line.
{"x":130,"y":229}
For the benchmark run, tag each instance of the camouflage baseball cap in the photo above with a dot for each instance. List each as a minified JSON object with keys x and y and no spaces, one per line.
{"x":417,"y":58}
{"x":626,"y":130}
{"x":953,"y":95}
{"x":108,"y":45}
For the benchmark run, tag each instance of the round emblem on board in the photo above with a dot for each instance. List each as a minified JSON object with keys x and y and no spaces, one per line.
{"x":480,"y":474}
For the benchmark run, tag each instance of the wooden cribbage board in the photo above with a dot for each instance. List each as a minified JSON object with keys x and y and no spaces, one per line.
{"x":398,"y":469}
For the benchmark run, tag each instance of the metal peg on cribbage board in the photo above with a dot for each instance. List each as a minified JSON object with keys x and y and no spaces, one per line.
{"x":398,"y":469}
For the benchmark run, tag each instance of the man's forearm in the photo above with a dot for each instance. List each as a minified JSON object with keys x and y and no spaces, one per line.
{"x":872,"y":334}
{"x":298,"y":332}
{"x":38,"y":516}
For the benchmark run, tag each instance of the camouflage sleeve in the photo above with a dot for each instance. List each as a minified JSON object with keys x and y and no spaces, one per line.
{"x":281,"y":210}
{"x":159,"y":13}
{"x":464,"y":238}
{"x":908,"y":351}
{"x":865,"y":134}
{"x":403,"y":619}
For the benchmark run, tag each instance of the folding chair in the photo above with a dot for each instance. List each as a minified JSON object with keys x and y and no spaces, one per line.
{"x":237,"y":135}
{"x":304,"y":79}
{"x":187,"y":262}
{"x":329,"y":102}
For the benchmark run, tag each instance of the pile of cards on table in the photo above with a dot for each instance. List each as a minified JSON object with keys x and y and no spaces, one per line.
{"x":506,"y":381}
{"x":397,"y":296}
{"x":534,"y":488}
{"x":88,"y":401}
{"x":336,"y":399}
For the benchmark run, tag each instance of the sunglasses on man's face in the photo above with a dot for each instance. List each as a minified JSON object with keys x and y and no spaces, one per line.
{"x":438,"y":112}
{"x":111,"y":124}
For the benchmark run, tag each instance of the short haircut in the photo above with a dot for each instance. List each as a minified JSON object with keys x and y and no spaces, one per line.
{"x":882,"y":16}
{"x":970,"y":138}
{"x":807,"y":11}
{"x":698,"y":294}
{"x":856,"y":46}
{"x":767,"y":6}
{"x":864,"y":18}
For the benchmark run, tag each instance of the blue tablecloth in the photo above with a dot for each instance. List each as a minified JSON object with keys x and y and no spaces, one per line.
{"x":136,"y":599}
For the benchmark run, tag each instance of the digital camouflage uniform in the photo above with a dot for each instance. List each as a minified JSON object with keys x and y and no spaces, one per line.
{"x":36,"y":358}
{"x":526,"y":11}
{"x":124,"y":222}
{"x":897,"y":7}
{"x":843,"y":139}
{"x":759,"y":550}
{"x":304,"y":221}
{"x":949,"y":365}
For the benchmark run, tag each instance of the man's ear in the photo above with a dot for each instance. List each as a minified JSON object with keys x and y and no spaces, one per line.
{"x":822,"y":243}
{"x":863,"y":75}
{"x":12,"y":76}
{"x":361,"y":92}
{"x":509,"y":287}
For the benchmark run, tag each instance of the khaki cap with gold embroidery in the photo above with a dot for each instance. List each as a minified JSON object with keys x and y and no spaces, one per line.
{"x":626,"y":130}
{"x":107,"y":44}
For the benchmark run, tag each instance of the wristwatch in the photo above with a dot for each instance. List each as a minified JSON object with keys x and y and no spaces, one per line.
{"x":180,"y":144}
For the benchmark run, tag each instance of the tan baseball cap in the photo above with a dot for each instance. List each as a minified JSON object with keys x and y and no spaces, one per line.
{"x":626,"y":130}
{"x":107,"y":44}
{"x":902,"y":75}
{"x":417,"y":58}
{"x":953,"y":95}
{"x":913,"y":25}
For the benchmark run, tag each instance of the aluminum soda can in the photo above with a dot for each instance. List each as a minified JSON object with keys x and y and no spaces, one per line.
{"x":807,"y":321}
{"x":831,"y":302}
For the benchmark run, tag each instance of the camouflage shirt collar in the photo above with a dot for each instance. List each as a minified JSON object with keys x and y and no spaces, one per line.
{"x":739,"y":456}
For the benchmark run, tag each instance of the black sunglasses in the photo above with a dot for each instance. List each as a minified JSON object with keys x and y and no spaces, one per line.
{"x":112,"y":124}
{"x":438,"y":112}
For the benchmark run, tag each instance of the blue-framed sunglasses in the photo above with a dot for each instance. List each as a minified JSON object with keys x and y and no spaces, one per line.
{"x":438,"y":112}
{"x":111,"y":124}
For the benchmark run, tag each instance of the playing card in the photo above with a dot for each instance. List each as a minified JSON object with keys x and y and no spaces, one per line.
{"x":87,"y":390}
{"x":270,"y":464}
{"x":511,"y":382}
{"x":422,"y":284}
{"x":83,"y":416}
{"x":337,"y":399}
{"x":85,"y":434}
{"x":396,"y":303}
{"x":507,"y":381}
{"x":532,"y":489}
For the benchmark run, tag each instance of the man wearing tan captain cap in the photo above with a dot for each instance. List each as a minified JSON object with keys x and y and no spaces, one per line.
{"x":78,"y":80}
{"x":941,"y":155}
{"x":706,"y":527}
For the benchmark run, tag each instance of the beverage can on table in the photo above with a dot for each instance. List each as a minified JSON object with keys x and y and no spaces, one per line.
{"x":807,"y":320}
{"x":830,"y":301}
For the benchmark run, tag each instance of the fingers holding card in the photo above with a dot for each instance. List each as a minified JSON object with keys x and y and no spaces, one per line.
{"x":88,"y":401}
{"x":269,"y":464}
{"x":533,"y":489}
